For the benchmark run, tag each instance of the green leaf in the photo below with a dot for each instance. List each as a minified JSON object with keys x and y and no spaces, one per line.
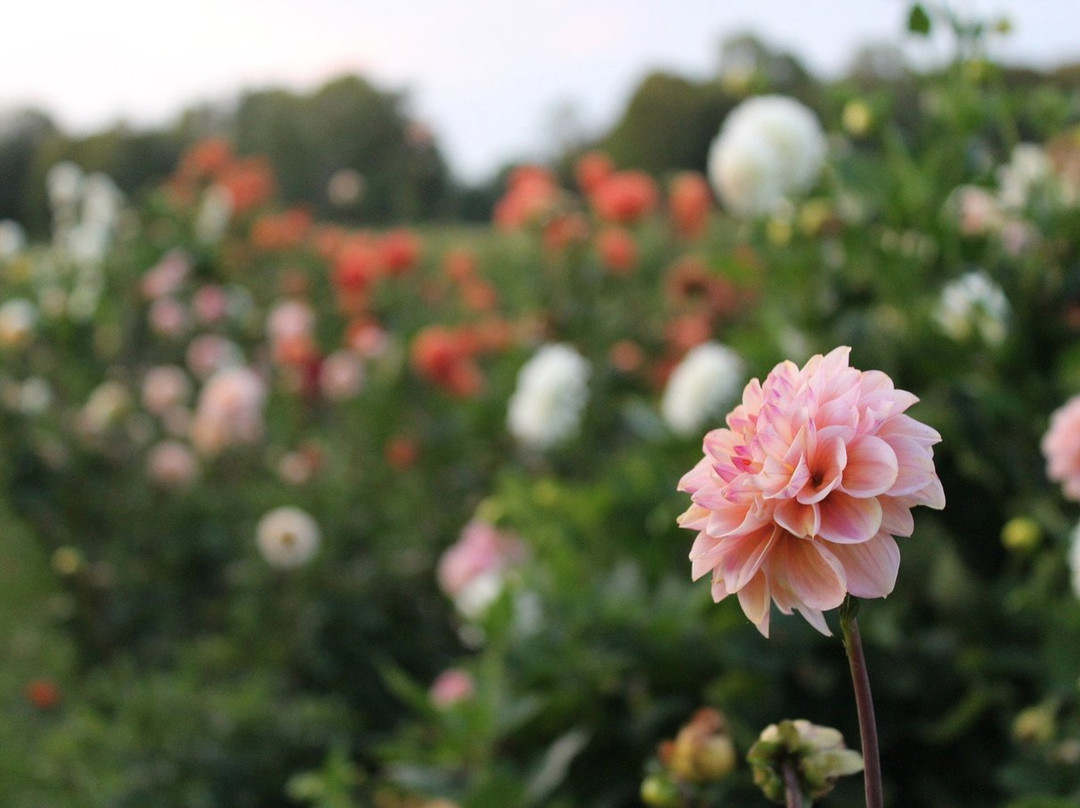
{"x":919,"y":20}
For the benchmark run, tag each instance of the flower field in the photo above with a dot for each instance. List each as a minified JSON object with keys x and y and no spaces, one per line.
{"x":304,"y":513}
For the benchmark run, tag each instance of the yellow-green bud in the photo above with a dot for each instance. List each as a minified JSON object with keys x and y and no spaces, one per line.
{"x":659,"y":791}
{"x":1021,"y":534}
{"x":816,"y":754}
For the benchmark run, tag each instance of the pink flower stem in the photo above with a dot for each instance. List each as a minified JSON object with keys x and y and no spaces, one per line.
{"x":864,"y":703}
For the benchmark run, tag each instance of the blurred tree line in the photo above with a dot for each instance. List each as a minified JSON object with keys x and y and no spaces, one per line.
{"x":349,"y":127}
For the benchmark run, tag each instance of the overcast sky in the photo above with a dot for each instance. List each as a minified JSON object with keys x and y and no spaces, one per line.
{"x":486,"y":75}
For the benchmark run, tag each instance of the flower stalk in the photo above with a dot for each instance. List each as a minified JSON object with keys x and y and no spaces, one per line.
{"x":863,"y":701}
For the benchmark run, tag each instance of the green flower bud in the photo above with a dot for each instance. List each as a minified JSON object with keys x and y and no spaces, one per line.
{"x":660,"y":791}
{"x":1021,"y":534}
{"x":815,"y":754}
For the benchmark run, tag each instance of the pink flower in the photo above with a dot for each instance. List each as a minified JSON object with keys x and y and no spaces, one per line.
{"x":1061,"y":447}
{"x":472,"y":570}
{"x":450,"y":687}
{"x":797,"y":501}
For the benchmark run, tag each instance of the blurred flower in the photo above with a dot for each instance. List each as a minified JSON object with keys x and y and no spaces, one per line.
{"x":12,"y":239}
{"x":473,"y":570}
{"x":531,"y":195}
{"x":345,"y":187}
{"x":401,"y":452}
{"x":704,"y":383}
{"x":63,"y":184}
{"x":42,"y":693}
{"x":165,"y":387}
{"x":973,"y":305}
{"x":857,"y":117}
{"x":229,"y":410}
{"x":1036,"y":725}
{"x":215,"y":211}
{"x":450,"y":687}
{"x":769,"y":148}
{"x":702,"y":751}
{"x":444,"y":356}
{"x":18,"y":319}
{"x":166,"y":276}
{"x":689,"y":204}
{"x":400,"y":250}
{"x":1061,"y":448}
{"x":799,"y":498}
{"x":171,"y":464}
{"x":1028,"y":169}
{"x":281,"y":231}
{"x":625,"y":197}
{"x":210,"y":304}
{"x":209,"y":353}
{"x":816,"y":754}
{"x":287,"y":537}
{"x":168,"y":317}
{"x":618,"y":250}
{"x":108,"y":401}
{"x":977,"y":210}
{"x":546,"y":406}
{"x":591,"y":169}
{"x":341,"y":375}
{"x":290,"y":329}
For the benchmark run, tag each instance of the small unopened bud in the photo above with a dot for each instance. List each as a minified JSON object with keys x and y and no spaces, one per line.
{"x":1021,"y":534}
{"x":660,"y":791}
{"x":817,"y":756}
{"x":1035,"y":725}
{"x":702,"y":751}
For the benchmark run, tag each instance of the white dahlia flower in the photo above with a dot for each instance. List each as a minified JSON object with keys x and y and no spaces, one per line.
{"x":287,"y":537}
{"x":973,"y":305}
{"x":708,"y":379}
{"x":551,"y":392}
{"x":770,"y":148}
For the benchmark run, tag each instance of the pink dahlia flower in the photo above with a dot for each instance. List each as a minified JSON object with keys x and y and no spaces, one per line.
{"x":797,"y":501}
{"x":1061,"y":447}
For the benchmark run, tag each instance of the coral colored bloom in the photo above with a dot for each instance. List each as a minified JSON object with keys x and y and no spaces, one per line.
{"x":797,"y":501}
{"x":689,"y":203}
{"x":1061,"y":447}
{"x":591,"y":169}
{"x":618,"y":250}
{"x":625,"y":197}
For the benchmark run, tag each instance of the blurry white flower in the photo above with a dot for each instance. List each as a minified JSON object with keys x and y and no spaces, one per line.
{"x":1027,"y":169}
{"x":101,"y":201}
{"x":770,"y":148}
{"x":12,"y":239}
{"x":345,"y":187}
{"x":551,"y":391}
{"x":171,"y":464}
{"x":705,"y":382}
{"x":63,"y":184}
{"x":977,"y":211}
{"x":18,"y":318}
{"x":35,"y":396}
{"x":213,"y":216}
{"x":287,"y":537}
{"x":973,"y":305}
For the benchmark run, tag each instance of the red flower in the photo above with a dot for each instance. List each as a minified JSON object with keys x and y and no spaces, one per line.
{"x":591,"y":169}
{"x":400,"y":251}
{"x":42,"y":693}
{"x":689,"y":202}
{"x":618,"y":250}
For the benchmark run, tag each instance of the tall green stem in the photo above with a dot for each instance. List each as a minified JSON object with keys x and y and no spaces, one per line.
{"x":864,"y":702}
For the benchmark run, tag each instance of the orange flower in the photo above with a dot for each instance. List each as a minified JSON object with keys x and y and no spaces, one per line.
{"x":283,"y":231}
{"x":459,"y":264}
{"x":626,"y":356}
{"x":207,"y":158}
{"x":565,"y":229}
{"x":479,"y":295}
{"x":444,"y":357}
{"x":249,"y":183}
{"x":531,"y":195}
{"x":625,"y":197}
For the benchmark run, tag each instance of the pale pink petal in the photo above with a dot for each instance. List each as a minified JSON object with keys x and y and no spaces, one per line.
{"x":809,"y":572}
{"x":870,"y":567}
{"x":904,"y":426}
{"x":695,"y":517}
{"x":815,"y":618}
{"x":933,"y":496}
{"x":744,"y":555}
{"x":719,"y":590}
{"x":755,"y":602}
{"x":826,"y":465}
{"x":847,"y":520}
{"x":871,"y":469}
{"x":797,"y":518}
{"x":704,"y":555}
{"x":916,"y":466}
{"x":896,"y":518}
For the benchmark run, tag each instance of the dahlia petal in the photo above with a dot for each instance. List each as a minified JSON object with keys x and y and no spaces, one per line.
{"x":809,"y":572}
{"x":719,"y":590}
{"x":704,"y":554}
{"x":744,"y":555}
{"x":870,"y":567}
{"x":916,"y":466}
{"x":847,"y":520}
{"x":816,"y":618}
{"x":799,"y":519}
{"x":872,"y":467}
{"x":755,"y":602}
{"x":933,"y":495}
{"x":896,"y":518}
{"x":904,"y":426}
{"x":698,"y":477}
{"x":828,"y":463}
